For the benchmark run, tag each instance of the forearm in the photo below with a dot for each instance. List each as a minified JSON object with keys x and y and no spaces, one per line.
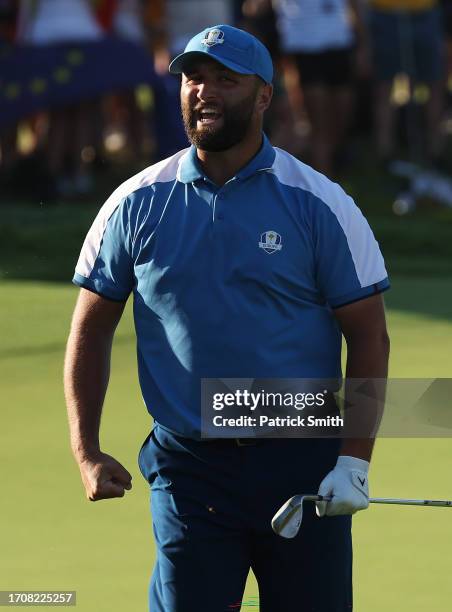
{"x":367,"y":358}
{"x":86,"y":375}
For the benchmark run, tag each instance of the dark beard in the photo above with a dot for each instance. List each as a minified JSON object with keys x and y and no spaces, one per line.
{"x":236,"y":122}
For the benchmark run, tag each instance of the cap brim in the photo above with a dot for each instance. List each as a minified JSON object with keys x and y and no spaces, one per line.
{"x":178,"y":63}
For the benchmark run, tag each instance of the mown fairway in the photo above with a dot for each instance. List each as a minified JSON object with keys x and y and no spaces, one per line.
{"x":51,"y":538}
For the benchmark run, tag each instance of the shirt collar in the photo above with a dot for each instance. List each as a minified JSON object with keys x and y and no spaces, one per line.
{"x":190,"y":168}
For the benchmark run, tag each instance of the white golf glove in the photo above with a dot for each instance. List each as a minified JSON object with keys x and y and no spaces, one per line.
{"x":348,"y":485}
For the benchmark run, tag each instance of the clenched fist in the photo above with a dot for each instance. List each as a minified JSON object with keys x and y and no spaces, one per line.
{"x":103,"y":477}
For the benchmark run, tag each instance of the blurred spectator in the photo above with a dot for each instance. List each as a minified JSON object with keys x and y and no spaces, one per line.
{"x":126,"y":20}
{"x":185,"y":18}
{"x":321,"y":36}
{"x":8,"y":135}
{"x":73,"y":129}
{"x":57,"y":21}
{"x":258,"y":17}
{"x":446,"y":6}
{"x":64,"y":65}
{"x":181,"y":20}
{"x":142,"y":23}
{"x":104,"y":11}
{"x":280,"y":122}
{"x":408,"y":38}
{"x":8,"y":20}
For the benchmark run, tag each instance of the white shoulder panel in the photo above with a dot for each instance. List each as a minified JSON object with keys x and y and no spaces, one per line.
{"x":364,"y":249}
{"x":162,"y":172}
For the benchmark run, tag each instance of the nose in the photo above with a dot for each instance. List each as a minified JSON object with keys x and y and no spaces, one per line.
{"x":206,"y":91}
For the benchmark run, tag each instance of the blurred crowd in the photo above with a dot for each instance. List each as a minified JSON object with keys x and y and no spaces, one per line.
{"x":85,"y":83}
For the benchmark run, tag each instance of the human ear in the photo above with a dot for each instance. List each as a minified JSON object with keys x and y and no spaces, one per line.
{"x":264,"y":97}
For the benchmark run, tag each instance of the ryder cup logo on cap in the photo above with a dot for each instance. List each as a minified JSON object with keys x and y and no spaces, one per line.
{"x":213,"y":37}
{"x":270,"y":242}
{"x":234,"y":48}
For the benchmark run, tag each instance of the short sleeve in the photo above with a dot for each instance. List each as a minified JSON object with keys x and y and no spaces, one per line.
{"x":349,"y":263}
{"x":105,"y":265}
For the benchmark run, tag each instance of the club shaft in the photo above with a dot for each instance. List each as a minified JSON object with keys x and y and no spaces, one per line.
{"x":399,"y":502}
{"x":411,"y":502}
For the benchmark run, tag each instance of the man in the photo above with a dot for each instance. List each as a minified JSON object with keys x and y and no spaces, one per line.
{"x":212,"y":299}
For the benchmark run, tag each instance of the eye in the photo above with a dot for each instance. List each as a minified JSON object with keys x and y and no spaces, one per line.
{"x":192,"y":78}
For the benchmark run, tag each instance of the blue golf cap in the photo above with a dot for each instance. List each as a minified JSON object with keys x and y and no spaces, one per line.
{"x":236,"y":49}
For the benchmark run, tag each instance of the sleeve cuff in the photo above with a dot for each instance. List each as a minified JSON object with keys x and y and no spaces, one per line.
{"x":359,"y":294}
{"x":99,"y":287}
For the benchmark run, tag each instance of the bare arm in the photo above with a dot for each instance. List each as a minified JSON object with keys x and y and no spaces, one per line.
{"x":86,"y":375}
{"x":363,"y":325}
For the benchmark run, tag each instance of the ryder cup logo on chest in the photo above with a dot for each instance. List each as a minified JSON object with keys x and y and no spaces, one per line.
{"x":271,"y":242}
{"x":214,"y":37}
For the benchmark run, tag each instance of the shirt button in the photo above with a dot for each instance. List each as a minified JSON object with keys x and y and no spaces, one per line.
{"x":220,"y":216}
{"x":220,"y":196}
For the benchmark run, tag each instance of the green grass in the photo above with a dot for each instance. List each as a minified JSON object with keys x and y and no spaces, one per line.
{"x":53,"y":539}
{"x":41,"y":241}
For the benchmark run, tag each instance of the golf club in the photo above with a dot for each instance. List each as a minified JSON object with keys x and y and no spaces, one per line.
{"x":287,"y":521}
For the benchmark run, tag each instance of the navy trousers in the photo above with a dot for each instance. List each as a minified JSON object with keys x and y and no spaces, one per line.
{"x":212,"y":504}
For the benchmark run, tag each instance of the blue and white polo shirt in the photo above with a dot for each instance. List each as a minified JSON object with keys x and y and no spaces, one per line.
{"x":238,"y":281}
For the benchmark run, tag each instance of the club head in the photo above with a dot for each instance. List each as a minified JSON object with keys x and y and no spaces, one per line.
{"x":287,"y":520}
